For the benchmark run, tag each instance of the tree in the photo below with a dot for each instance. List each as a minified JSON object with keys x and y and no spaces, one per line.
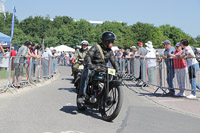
{"x":175,"y":34}
{"x":64,"y":30}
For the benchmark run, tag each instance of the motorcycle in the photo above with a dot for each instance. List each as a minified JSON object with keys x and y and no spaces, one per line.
{"x":104,"y":93}
{"x":78,"y":77}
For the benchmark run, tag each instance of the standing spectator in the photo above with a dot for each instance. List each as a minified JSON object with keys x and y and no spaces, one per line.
{"x":46,"y":61}
{"x":127,"y":61}
{"x":124,"y":53}
{"x":127,"y":53}
{"x":116,"y":54}
{"x":122,"y":60}
{"x":19,"y":62}
{"x":67,"y":58}
{"x":31,"y":64}
{"x":13,"y":52}
{"x":193,"y":66}
{"x":133,"y":52}
{"x":170,"y":66}
{"x":180,"y":67}
{"x":62,"y":58}
{"x":141,"y":52}
{"x":38,"y":53}
{"x":151,"y":63}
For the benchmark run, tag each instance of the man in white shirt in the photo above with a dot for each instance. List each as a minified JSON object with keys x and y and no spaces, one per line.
{"x":151,"y":62}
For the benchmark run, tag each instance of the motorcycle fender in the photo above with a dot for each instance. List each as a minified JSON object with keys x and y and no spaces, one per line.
{"x":76,"y":80}
{"x":116,"y":83}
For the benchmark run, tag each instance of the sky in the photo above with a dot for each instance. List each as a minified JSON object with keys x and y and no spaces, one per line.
{"x":184,"y":14}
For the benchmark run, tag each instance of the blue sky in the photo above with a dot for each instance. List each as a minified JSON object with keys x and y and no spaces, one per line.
{"x":184,"y":14}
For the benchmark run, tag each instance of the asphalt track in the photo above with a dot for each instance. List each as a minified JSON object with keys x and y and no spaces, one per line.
{"x":52,"y":109}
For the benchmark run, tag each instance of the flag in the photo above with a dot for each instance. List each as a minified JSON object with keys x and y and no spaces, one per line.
{"x":42,"y":46}
{"x":13,"y":23}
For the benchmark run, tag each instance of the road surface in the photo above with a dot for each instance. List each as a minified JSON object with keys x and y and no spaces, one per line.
{"x":52,"y":109}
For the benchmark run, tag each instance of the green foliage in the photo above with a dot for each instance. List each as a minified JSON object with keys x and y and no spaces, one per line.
{"x":64,"y":30}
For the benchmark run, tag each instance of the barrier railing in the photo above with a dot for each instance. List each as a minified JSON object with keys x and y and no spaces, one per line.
{"x":18,"y":71}
{"x":161,"y":73}
{"x":4,"y":72}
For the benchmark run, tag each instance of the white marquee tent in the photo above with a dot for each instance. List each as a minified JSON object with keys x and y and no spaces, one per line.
{"x":64,"y":48}
{"x":114,"y":48}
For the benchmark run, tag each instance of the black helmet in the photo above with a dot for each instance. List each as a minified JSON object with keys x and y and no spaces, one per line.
{"x":108,"y":36}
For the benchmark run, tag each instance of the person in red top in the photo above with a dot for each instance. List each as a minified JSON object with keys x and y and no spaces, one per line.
{"x":13,"y":52}
{"x":180,"y":67}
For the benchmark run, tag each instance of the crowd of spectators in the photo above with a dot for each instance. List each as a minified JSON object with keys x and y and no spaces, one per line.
{"x":178,"y":62}
{"x":30,"y":59}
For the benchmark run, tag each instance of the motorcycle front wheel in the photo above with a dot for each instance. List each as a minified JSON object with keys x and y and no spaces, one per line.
{"x":81,"y":107}
{"x":111,"y":106}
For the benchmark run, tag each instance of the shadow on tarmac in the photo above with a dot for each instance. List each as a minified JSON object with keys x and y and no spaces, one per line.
{"x":74,"y":111}
{"x":72,"y":90}
{"x":70,"y":79}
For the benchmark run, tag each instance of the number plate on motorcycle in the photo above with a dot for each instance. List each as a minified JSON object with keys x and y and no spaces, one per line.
{"x":81,"y":67}
{"x":111,"y":71}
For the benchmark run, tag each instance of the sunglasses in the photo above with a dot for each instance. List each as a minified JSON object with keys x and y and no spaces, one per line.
{"x":111,"y":41}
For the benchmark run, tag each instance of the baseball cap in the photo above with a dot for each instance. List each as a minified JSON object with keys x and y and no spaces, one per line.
{"x":140,"y":43}
{"x":166,"y":42}
{"x":178,"y":44}
{"x":133,"y":47}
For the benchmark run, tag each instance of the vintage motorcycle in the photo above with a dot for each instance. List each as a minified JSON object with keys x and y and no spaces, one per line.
{"x":78,"y":77}
{"x":104,"y":93}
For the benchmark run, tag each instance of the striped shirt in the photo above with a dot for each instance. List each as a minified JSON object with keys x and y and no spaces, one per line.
{"x":179,"y":63}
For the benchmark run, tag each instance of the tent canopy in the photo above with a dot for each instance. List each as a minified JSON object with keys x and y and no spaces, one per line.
{"x":4,"y":38}
{"x":115,"y":48}
{"x":64,"y":48}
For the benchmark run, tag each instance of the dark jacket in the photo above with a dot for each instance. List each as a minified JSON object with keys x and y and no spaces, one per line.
{"x":94,"y":56}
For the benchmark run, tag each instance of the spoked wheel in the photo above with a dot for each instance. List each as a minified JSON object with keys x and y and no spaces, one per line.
{"x":111,"y":106}
{"x":81,"y":107}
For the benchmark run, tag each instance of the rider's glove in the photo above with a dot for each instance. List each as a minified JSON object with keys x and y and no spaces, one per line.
{"x":91,"y":66}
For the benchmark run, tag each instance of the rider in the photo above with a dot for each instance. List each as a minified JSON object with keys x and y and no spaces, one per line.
{"x":93,"y":58}
{"x":79,"y":56}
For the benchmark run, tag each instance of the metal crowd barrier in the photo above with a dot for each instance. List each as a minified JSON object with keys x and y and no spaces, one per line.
{"x":29,"y":71}
{"x":156,"y":73}
{"x":4,"y":71}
